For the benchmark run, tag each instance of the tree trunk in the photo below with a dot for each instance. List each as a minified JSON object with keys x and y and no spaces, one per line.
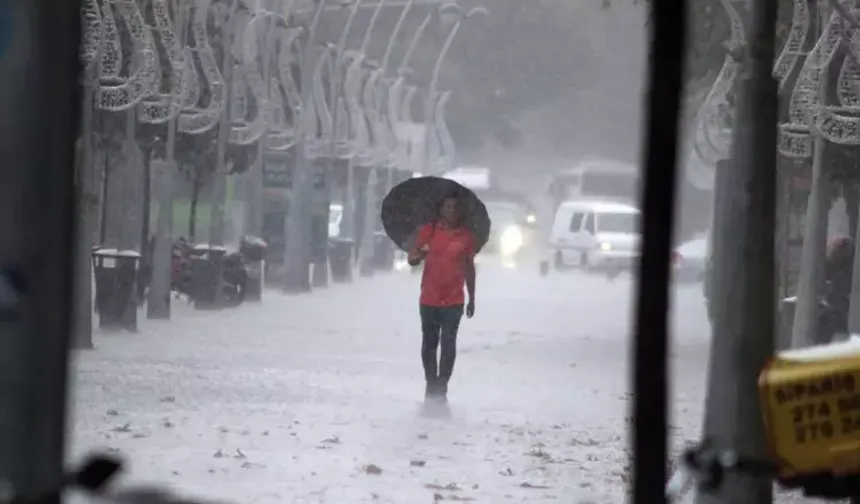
{"x":851,"y":195}
{"x":147,"y":205}
{"x":104,"y":196}
{"x":145,"y":271}
{"x":319,"y":276}
{"x":192,"y":213}
{"x":365,"y":256}
{"x":114,"y":205}
{"x":158,"y":301}
{"x":852,"y":204}
{"x":131,"y":182}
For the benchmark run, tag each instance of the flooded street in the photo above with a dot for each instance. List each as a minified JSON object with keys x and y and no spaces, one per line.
{"x":320,"y":398}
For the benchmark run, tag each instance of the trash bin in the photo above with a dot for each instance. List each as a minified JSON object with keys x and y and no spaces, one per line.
{"x":115,"y":272}
{"x":253,"y":250}
{"x":206,"y":271}
{"x":340,"y":259}
{"x":383,"y":252}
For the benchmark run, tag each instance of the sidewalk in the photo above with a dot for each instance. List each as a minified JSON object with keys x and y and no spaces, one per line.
{"x":296,"y":398}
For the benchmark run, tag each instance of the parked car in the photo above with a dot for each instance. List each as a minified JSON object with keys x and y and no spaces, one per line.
{"x":690,"y":260}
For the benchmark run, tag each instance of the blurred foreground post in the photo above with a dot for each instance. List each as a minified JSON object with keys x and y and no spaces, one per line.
{"x":38,"y":127}
{"x":744,"y":256}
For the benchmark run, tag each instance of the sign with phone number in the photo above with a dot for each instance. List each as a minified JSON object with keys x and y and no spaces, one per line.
{"x":824,"y":408}
{"x":814,"y":422}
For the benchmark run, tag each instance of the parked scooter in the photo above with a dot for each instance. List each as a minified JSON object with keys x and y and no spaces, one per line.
{"x":235,"y":274}
{"x":187,"y":272}
{"x":181,"y":268}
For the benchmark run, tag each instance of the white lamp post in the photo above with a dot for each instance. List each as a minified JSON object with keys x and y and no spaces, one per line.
{"x":429,"y":102}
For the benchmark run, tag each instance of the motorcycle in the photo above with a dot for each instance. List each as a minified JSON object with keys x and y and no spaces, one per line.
{"x":181,"y":269}
{"x":186,"y":274}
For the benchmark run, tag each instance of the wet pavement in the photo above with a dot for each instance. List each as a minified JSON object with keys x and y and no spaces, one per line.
{"x":319,"y":398}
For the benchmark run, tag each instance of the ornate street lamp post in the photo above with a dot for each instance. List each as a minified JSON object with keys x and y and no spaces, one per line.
{"x":158,"y":300}
{"x":92,"y":53}
{"x":216,"y":221}
{"x":278,"y":136}
{"x":429,"y":101}
{"x":298,"y":228}
{"x":350,"y":204}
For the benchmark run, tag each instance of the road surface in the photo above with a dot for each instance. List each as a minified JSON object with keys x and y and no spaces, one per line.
{"x":318,"y":398}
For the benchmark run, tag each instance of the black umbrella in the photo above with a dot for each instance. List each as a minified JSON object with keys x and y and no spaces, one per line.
{"x":415,"y":202}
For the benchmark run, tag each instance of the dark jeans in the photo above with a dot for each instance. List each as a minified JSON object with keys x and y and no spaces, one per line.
{"x":439,"y":323}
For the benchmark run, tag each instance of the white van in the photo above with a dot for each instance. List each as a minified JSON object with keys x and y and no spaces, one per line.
{"x":596,"y":234}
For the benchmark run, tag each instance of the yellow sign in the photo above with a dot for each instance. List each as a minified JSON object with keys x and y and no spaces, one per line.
{"x":811,"y":410}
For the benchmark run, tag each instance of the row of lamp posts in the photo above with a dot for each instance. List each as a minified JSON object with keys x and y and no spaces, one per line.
{"x":362,"y":119}
{"x":744,"y":337}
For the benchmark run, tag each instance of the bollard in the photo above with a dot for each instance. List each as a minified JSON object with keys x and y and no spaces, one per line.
{"x":206,"y":268}
{"x":383,"y":252}
{"x":253,"y":250}
{"x":340,"y":259}
{"x":115,"y":272}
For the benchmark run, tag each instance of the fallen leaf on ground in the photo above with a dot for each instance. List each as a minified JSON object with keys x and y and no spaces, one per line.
{"x":372,"y":469}
{"x":123,"y":428}
{"x":526,"y":484}
{"x":436,"y":486}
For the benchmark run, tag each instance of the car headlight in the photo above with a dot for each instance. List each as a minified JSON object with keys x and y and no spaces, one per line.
{"x":605,"y":246}
{"x":511,"y":240}
{"x":531,"y":219}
